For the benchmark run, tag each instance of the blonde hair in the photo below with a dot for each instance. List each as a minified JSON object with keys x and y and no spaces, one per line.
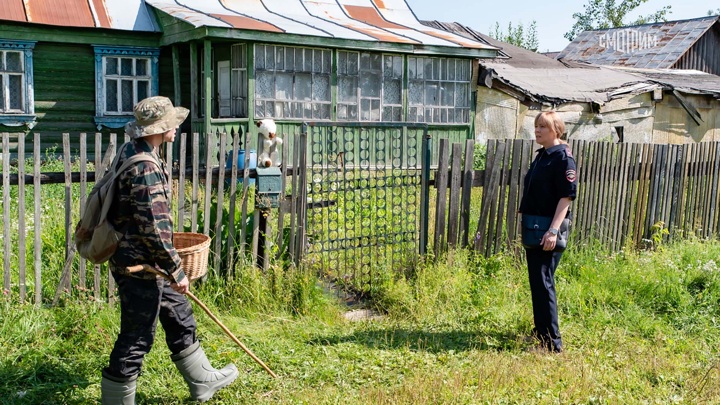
{"x":553,"y":120}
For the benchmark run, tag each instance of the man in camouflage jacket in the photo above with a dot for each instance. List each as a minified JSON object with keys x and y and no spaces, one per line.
{"x":141,"y":211}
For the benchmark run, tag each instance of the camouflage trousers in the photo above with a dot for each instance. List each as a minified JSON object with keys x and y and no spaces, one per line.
{"x":142,"y":303}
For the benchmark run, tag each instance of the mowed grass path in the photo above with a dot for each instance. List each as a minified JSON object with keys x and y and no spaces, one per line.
{"x":639,"y":328}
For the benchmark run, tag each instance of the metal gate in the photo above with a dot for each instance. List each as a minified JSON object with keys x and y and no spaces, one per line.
{"x":367,"y":199}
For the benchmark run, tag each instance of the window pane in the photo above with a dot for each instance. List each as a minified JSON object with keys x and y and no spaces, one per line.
{"x":412,"y":68}
{"x":14,"y":61}
{"x":143,"y":89}
{"x":2,"y":92}
{"x":260,"y":56}
{"x":353,"y":67}
{"x":127,"y":95}
{"x":317,"y":61}
{"x":342,"y":111}
{"x":16,"y":93}
{"x":428,"y":73}
{"x":369,"y":84}
{"x":289,"y":58}
{"x":270,"y":58}
{"x":448,"y":94}
{"x":307,"y":60}
{"x":347,"y":89}
{"x":324,"y":111}
{"x":412,"y":114}
{"x":461,"y":95}
{"x":342,"y":63}
{"x":297,"y":111}
{"x":375,"y":110}
{"x":265,"y":86}
{"x":431,"y":93}
{"x":364,"y":61}
{"x":111,"y":66}
{"x":353,"y":112}
{"x":416,"y":93}
{"x":280,"y":58}
{"x":111,"y":96}
{"x":375,"y":61}
{"x":237,"y":56}
{"x":260,"y":108}
{"x":299,"y":57}
{"x":2,"y":60}
{"x":321,"y":88}
{"x":365,"y":110}
{"x":141,"y":69}
{"x":307,"y":110}
{"x":392,"y":92}
{"x":126,"y":67}
{"x":451,"y":69}
{"x":327,"y":63}
{"x":397,"y":67}
{"x":284,"y":86}
{"x":303,"y":87}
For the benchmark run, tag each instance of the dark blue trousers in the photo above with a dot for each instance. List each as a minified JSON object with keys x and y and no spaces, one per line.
{"x":142,"y":303}
{"x":541,"y":271}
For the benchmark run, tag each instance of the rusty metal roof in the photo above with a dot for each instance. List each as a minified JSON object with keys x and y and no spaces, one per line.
{"x":369,"y":20}
{"x":652,"y":46}
{"x":115,"y":14}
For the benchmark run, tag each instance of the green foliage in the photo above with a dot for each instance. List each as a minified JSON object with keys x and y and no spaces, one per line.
{"x":638,"y":326}
{"x":713,"y":12}
{"x":658,"y":232}
{"x":518,"y":35}
{"x":604,"y":14}
{"x":479,"y":156}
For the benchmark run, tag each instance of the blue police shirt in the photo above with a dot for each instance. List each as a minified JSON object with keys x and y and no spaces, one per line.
{"x":552,"y":176}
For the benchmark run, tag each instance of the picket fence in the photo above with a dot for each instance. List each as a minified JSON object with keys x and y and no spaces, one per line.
{"x":627,"y":194}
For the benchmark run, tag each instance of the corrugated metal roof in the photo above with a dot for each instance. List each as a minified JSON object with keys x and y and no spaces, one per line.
{"x":653,"y":46}
{"x":116,"y":14}
{"x":368,"y":20}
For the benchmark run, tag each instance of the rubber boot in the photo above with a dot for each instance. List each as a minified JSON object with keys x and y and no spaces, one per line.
{"x":202,"y":379}
{"x":118,"y":391}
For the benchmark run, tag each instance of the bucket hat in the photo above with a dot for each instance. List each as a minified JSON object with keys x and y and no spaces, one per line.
{"x":155,"y":115}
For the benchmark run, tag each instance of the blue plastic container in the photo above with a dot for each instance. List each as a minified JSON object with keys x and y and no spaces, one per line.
{"x":241,"y":163}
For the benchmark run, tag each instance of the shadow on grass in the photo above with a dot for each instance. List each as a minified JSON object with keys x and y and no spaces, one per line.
{"x":428,"y":341}
{"x":43,"y":384}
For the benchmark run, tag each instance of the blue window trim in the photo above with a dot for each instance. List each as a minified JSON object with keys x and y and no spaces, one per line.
{"x":27,"y":118}
{"x":114,"y":121}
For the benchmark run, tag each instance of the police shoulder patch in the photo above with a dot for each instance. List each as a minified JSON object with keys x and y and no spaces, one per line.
{"x":570,"y":175}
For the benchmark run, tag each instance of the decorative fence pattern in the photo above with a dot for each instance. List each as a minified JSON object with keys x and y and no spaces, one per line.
{"x":367,"y":199}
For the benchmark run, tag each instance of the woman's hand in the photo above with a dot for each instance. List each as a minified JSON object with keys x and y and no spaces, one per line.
{"x":548,"y":241}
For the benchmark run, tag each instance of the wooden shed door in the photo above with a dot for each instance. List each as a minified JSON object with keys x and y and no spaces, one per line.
{"x":223,"y":68}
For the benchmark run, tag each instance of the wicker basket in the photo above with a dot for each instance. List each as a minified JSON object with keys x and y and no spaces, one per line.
{"x":193,"y":249}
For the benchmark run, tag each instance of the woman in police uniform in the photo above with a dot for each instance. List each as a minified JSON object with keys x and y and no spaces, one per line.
{"x":550,"y":186}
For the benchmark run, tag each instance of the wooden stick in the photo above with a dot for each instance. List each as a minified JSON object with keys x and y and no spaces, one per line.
{"x":140,"y":267}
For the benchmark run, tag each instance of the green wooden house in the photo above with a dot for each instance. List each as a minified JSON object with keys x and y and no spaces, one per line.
{"x":72,"y":66}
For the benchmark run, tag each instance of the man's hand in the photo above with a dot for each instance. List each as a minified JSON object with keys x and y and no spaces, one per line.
{"x":182,"y":287}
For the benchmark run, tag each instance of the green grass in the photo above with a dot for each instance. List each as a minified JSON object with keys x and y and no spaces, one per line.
{"x":638,"y":327}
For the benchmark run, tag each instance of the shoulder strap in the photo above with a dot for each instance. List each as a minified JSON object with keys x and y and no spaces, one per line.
{"x":140,"y":157}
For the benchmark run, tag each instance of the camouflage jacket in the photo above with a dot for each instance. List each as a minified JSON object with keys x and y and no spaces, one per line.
{"x":142,"y":211}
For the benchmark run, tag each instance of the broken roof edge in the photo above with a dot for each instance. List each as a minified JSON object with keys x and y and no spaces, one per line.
{"x":603,"y":94}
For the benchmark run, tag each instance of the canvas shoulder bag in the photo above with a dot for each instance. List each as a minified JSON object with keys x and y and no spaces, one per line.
{"x":95,"y":237}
